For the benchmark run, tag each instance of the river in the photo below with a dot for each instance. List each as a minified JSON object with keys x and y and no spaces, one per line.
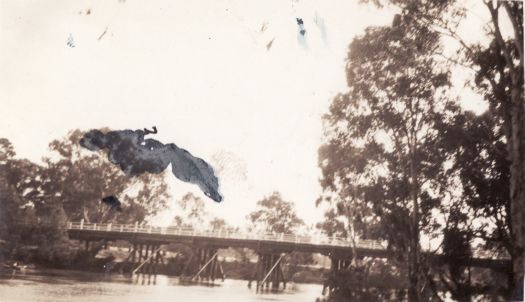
{"x":76,"y":286}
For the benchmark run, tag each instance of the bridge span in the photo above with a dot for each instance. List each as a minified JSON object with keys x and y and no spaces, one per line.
{"x":147,"y":242}
{"x":224,"y":239}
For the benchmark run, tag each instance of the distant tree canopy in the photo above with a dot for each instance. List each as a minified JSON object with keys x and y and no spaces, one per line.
{"x":22,"y":217}
{"x":80,"y":179}
{"x":274,"y":215}
{"x":191,"y":212}
{"x":37,"y":200}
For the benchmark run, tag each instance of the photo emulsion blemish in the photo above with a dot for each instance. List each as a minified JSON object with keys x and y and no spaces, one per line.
{"x":248,"y":150}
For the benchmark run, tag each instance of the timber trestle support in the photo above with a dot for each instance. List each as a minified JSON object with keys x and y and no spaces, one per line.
{"x":145,"y":258}
{"x":338,"y":264}
{"x":206,"y":266}
{"x":269,"y":272}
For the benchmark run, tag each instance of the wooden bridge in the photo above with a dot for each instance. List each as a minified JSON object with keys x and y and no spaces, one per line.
{"x":148,"y":240}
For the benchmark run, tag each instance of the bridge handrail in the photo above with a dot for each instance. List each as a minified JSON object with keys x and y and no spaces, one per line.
{"x":224,"y":233}
{"x":230,"y":234}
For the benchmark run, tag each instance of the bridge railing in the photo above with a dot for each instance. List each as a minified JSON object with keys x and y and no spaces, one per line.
{"x":226,"y":234}
{"x":236,"y":235}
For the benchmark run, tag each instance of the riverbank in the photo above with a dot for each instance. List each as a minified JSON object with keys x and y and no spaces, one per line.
{"x":114,"y":262}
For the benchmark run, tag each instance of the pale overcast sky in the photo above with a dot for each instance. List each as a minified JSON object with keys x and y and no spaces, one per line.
{"x":198,"y":70}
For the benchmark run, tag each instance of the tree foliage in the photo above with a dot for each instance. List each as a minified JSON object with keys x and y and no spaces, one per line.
{"x":500,"y":78}
{"x":191,"y":212}
{"x":21,"y":220}
{"x":37,"y":200}
{"x":79,"y":180}
{"x":478,"y":154}
{"x":274,"y":215}
{"x":380,"y":160}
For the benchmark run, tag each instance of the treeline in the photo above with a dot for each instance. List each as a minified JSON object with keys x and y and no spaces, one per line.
{"x":37,"y":199}
{"x":404,"y":163}
{"x":272,"y":214}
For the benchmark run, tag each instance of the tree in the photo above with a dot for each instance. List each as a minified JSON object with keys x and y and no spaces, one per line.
{"x":79,"y":179}
{"x":274,"y":215}
{"x":379,"y":163}
{"x":477,"y":208}
{"x":218,"y":224}
{"x":36,"y":201}
{"x":457,"y":251}
{"x":192,"y":212}
{"x":332,"y":224}
{"x":499,"y":76}
{"x":503,"y":76}
{"x":480,"y":162}
{"x":11,"y":214}
{"x":21,"y":221}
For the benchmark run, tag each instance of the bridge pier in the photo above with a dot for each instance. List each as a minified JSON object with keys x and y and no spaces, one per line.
{"x":147,"y":265}
{"x":339,"y":263}
{"x":144,"y":258}
{"x":338,"y":249}
{"x":141,"y":251}
{"x":209,"y":267}
{"x":268,"y":271}
{"x":132,"y":252}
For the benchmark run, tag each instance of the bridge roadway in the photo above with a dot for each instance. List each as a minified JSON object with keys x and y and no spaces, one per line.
{"x":334,"y":247}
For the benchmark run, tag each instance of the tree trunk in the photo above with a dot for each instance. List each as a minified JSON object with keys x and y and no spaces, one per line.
{"x":85,"y":214}
{"x":413,"y":254}
{"x":516,"y":141}
{"x":517,"y":184}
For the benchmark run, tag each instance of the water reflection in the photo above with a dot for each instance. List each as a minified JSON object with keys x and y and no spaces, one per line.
{"x":59,"y":285}
{"x":145,"y":279}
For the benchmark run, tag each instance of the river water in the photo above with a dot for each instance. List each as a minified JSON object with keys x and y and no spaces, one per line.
{"x":75,"y":286}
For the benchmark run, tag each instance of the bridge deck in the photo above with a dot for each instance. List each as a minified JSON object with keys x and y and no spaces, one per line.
{"x":333,"y":246}
{"x":222,"y":238}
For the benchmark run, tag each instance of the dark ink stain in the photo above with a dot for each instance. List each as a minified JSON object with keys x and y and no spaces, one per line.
{"x":301,"y":26}
{"x":88,"y":12}
{"x":154,"y":131}
{"x":264,"y":26}
{"x":103,"y":33}
{"x":135,"y":155}
{"x":70,"y":41}
{"x":269,"y":45}
{"x":112,"y":202}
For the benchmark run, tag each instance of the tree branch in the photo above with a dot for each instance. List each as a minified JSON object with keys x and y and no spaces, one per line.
{"x":518,"y":32}
{"x":499,"y":38}
{"x":455,"y":61}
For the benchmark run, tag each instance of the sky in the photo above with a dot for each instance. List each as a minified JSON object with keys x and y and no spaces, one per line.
{"x":200,"y":71}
